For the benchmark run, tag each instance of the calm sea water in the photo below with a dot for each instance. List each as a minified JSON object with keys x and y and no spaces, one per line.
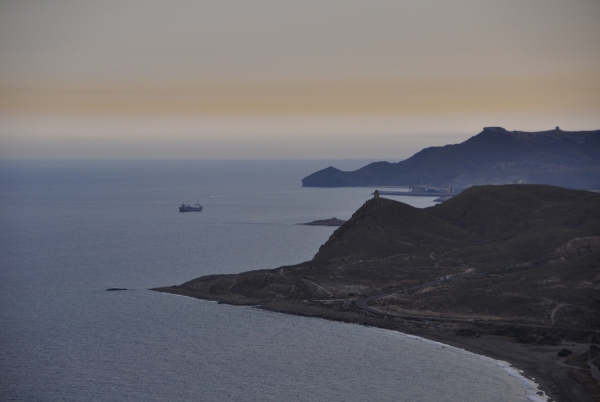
{"x":71,"y":229}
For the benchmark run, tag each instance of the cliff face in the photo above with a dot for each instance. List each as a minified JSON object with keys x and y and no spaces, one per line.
{"x":495,"y":156}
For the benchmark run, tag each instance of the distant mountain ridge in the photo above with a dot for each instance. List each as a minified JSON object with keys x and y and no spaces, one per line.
{"x":568,"y":159}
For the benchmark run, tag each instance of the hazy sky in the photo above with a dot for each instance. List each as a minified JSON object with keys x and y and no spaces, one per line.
{"x":289,"y":79}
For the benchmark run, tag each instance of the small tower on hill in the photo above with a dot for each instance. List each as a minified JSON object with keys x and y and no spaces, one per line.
{"x":376,"y":194}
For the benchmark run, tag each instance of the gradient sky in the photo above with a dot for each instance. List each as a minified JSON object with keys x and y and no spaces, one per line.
{"x":289,"y":79}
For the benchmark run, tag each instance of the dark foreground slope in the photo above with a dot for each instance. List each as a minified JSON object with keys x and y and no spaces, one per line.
{"x":513,"y":262}
{"x":514,"y":252}
{"x":495,"y":156}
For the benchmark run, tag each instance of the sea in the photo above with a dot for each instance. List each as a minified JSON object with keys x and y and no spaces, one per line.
{"x":70,"y":229}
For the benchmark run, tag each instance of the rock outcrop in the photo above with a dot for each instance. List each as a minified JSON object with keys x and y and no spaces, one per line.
{"x":579,"y":246}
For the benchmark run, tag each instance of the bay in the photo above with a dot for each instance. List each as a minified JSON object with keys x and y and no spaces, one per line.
{"x":71,"y":229}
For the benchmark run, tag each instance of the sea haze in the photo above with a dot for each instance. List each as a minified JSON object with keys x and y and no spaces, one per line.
{"x":71,"y":229}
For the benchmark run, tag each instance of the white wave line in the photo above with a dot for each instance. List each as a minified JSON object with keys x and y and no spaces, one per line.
{"x":531,"y":387}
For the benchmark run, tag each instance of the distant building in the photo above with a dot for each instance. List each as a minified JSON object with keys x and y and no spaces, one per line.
{"x":376,"y":194}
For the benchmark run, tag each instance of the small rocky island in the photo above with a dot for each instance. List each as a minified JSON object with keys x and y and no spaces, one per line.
{"x":326,"y":222}
{"x":511,"y":272}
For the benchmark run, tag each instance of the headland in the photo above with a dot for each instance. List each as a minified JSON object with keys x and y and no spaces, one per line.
{"x":509,"y":272}
{"x":569,"y":159}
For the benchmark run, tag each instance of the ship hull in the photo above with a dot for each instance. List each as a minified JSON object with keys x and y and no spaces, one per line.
{"x":181,"y":209}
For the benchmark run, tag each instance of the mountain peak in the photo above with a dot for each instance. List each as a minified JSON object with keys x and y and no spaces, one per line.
{"x":495,"y":129}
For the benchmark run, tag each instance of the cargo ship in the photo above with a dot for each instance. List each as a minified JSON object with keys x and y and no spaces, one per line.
{"x":189,"y":208}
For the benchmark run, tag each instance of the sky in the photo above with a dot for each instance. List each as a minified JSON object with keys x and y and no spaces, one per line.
{"x":279,"y":79}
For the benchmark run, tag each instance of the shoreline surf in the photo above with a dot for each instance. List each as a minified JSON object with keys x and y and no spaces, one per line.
{"x":528,"y":363}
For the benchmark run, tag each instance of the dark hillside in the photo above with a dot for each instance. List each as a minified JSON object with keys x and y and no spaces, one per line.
{"x":522,"y":222}
{"x":495,"y":211}
{"x":384,"y":227}
{"x":506,"y":252}
{"x":518,"y":221}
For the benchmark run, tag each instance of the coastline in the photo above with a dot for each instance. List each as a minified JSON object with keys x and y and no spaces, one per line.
{"x":536,"y":363}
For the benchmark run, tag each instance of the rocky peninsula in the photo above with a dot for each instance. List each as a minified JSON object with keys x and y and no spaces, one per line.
{"x":511,"y":272}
